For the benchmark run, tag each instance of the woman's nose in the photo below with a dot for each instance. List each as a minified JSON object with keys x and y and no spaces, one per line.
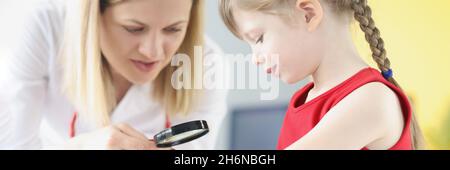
{"x":152,"y":47}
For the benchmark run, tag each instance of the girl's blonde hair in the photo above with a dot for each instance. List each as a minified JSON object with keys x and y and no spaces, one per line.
{"x":87,"y":80}
{"x":362,"y":13}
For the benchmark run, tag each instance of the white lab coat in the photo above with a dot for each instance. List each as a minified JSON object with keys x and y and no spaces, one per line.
{"x":37,"y":115}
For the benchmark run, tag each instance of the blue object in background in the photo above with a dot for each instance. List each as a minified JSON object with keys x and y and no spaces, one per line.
{"x":256,"y":128}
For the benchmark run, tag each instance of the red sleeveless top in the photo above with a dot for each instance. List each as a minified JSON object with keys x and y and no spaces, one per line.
{"x":301,"y":119}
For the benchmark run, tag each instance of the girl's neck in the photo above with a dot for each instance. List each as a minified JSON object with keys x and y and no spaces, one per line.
{"x":340,"y":62}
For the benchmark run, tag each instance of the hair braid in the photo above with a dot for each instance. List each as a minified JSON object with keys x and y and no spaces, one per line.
{"x":363,"y":14}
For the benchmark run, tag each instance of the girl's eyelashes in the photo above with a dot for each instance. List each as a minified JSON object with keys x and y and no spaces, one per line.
{"x":260,"y":39}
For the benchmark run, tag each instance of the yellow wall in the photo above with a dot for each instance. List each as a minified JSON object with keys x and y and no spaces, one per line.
{"x":417,"y":38}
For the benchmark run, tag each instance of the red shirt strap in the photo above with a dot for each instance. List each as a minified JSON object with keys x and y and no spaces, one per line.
{"x":72,"y":125}
{"x":167,"y":125}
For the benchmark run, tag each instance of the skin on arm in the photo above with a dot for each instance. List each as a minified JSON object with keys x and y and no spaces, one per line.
{"x":369,"y":117}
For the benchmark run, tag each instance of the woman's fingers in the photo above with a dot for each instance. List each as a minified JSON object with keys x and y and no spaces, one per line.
{"x":124,"y":141}
{"x":137,"y":140}
{"x":127,"y":129}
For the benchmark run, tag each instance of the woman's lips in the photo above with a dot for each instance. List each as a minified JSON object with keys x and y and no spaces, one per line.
{"x":144,"y":66}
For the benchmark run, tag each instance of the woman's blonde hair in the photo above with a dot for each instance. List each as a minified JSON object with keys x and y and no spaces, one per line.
{"x":362,"y":13}
{"x":87,"y":78}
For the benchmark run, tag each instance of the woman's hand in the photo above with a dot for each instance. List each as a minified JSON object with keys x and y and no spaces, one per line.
{"x":116,"y":137}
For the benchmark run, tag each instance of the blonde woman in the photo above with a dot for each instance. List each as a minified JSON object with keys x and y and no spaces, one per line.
{"x":96,"y":74}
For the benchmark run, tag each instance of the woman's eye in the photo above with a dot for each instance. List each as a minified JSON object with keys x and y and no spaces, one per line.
{"x":172,"y":30}
{"x":133,"y":30}
{"x":260,"y":39}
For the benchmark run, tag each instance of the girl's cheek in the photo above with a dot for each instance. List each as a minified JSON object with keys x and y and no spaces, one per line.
{"x":267,"y":48}
{"x":276,"y":52}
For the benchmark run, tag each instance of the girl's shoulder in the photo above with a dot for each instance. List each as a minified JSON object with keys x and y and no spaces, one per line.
{"x":368,"y":117}
{"x":378,"y":108}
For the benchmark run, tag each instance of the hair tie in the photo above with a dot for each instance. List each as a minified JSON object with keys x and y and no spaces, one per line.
{"x":387,"y":74}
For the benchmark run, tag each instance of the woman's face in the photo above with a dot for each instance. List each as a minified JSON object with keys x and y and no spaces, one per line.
{"x":139,"y":37}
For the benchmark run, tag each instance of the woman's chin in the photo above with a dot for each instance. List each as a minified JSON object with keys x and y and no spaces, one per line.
{"x":139,"y":77}
{"x":141,"y":80}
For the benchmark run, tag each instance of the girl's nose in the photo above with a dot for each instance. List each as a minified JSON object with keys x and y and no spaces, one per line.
{"x":258,"y":59}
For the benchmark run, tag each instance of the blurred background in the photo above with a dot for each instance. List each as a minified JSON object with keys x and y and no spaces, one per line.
{"x":417,"y":38}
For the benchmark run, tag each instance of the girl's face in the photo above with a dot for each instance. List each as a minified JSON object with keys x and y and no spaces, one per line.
{"x":298,"y":50}
{"x":138,"y":38}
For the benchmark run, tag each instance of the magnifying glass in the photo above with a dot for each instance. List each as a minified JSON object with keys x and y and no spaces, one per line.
{"x":181,"y":133}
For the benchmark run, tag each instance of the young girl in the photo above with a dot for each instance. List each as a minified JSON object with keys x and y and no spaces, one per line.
{"x":348,"y":105}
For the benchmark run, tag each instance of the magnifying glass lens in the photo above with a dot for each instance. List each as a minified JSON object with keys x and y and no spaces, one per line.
{"x":181,"y":133}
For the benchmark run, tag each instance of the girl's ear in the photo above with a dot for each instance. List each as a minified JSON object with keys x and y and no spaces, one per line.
{"x":313,"y":12}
